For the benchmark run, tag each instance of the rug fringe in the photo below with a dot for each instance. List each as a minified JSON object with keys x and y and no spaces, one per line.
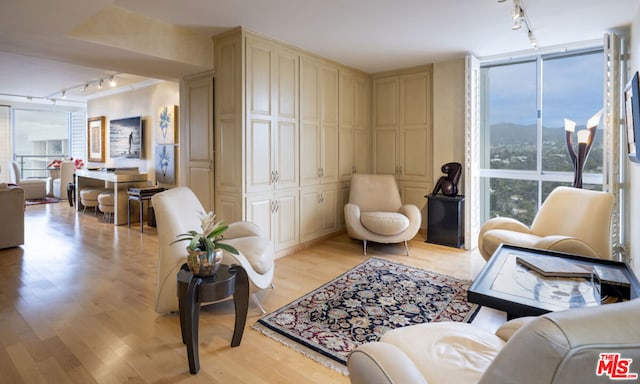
{"x":308,"y":352}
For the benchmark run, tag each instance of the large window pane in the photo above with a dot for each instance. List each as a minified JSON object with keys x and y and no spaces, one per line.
{"x":514,"y":198}
{"x":512,"y":116}
{"x":40,"y":136}
{"x":572,"y":88}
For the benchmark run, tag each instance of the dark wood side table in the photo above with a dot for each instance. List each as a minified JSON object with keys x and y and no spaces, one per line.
{"x":193,"y":290}
{"x":140,"y":195}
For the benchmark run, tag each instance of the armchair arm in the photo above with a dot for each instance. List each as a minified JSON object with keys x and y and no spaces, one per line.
{"x":382,"y":363}
{"x":355,"y":228}
{"x":414,"y":215}
{"x":567,"y":244}
{"x":506,"y":330}
{"x":243,"y":229}
{"x":504,"y":223}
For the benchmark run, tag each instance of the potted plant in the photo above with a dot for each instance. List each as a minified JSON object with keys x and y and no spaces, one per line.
{"x":204,"y":249}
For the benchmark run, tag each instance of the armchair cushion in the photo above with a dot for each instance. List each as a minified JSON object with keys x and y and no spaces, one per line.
{"x":384,"y":223}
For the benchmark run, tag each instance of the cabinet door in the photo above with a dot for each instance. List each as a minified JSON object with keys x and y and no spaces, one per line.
{"x":260,"y":210}
{"x":346,"y":139}
{"x":260,"y":136}
{"x":286,"y":137}
{"x":310,"y":130}
{"x":286,"y":220}
{"x":309,"y":214}
{"x":259,"y":168}
{"x":329,"y":123}
{"x":329,"y":209}
{"x":197,"y":97}
{"x":386,"y":125}
{"x":415,"y":118}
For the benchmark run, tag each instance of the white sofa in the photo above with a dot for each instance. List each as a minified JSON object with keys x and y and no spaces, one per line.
{"x":561,"y":347}
{"x":12,"y":223}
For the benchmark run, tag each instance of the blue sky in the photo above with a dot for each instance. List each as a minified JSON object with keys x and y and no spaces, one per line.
{"x":572,"y":89}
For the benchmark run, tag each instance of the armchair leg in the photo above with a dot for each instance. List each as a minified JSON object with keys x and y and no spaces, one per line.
{"x":406,"y":246}
{"x":364,"y":244}
{"x":255,"y":299}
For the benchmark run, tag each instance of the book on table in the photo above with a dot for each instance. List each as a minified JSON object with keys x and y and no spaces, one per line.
{"x":550,"y":266}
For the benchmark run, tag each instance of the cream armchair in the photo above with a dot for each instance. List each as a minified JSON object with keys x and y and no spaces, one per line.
{"x":570,"y":220}
{"x":33,"y":188}
{"x":376,"y":213}
{"x":67,"y":169}
{"x":561,"y":347}
{"x":178,"y":211}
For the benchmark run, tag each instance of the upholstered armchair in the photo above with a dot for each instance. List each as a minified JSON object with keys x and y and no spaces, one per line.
{"x":570,"y":220}
{"x":178,"y":211}
{"x":560,"y":347}
{"x":12,"y":224}
{"x":376,"y":213}
{"x":67,"y":169}
{"x":33,"y":188}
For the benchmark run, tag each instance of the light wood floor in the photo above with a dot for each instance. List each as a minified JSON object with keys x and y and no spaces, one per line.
{"x":76,"y":306}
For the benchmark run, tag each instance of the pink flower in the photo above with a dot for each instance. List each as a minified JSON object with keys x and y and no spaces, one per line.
{"x":55,"y":163}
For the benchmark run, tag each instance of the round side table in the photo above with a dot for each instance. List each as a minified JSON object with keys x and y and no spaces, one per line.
{"x":193,"y":290}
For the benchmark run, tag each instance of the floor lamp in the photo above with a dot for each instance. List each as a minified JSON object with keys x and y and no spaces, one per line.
{"x":585,"y":142}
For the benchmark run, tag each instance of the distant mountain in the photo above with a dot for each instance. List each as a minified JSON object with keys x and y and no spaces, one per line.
{"x":508,"y":133}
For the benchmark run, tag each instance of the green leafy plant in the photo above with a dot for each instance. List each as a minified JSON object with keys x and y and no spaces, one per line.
{"x":208,"y":239}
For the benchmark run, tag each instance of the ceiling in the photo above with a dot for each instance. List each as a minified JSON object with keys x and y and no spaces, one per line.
{"x":42,"y":53}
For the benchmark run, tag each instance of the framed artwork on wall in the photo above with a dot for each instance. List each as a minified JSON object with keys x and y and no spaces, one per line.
{"x":96,"y":139}
{"x":125,"y":138}
{"x":632,"y":116}
{"x":167,"y":116}
{"x":165,"y":164}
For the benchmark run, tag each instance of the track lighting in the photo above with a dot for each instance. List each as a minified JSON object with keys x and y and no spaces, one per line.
{"x":84,"y":87}
{"x":64,"y":93}
{"x":100,"y":83}
{"x":519,"y":17}
{"x":112,"y":81}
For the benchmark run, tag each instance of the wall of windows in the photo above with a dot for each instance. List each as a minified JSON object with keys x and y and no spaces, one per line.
{"x":523,"y":149}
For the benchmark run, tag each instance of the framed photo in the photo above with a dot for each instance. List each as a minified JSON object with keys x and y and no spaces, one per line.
{"x":167,"y":116}
{"x":165,"y":164}
{"x":632,"y":116}
{"x":95,"y":139}
{"x":125,"y":138}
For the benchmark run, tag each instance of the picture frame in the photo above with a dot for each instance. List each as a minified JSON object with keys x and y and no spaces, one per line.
{"x":126,"y":138}
{"x":165,"y":164}
{"x":167,"y":121}
{"x":96,"y":139}
{"x":632,"y":116}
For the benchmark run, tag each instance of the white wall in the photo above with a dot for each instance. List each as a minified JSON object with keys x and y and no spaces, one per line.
{"x":633,"y":229}
{"x":143,"y":102}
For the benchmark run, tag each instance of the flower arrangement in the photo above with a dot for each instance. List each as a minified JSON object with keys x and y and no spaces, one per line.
{"x":207,"y":239}
{"x":56,"y":163}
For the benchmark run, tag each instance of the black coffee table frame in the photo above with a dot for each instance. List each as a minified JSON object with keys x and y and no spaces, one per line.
{"x":482,"y":292}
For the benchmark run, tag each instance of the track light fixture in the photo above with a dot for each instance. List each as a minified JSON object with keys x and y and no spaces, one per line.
{"x":112,"y":80}
{"x":100,"y":83}
{"x":520,"y":18}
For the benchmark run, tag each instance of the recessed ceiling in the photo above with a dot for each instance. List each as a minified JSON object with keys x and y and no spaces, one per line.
{"x":40,"y":57}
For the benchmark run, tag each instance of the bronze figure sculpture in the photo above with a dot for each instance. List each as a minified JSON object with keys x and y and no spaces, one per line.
{"x":449,"y":184}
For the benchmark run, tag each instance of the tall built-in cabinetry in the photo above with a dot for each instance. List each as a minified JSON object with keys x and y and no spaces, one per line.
{"x":402,"y":130}
{"x":277,"y":141}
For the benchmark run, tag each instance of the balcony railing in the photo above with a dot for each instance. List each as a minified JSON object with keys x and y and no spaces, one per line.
{"x":35,"y":166}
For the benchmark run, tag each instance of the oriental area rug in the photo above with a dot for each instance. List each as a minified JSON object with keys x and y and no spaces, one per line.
{"x":361,"y":305}
{"x":45,"y":200}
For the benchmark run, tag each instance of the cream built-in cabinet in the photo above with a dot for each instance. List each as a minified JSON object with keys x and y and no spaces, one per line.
{"x":402,"y":130}
{"x":277,"y":149}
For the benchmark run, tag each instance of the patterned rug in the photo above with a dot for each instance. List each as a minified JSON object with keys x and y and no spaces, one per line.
{"x":46,"y":200}
{"x":361,"y":305}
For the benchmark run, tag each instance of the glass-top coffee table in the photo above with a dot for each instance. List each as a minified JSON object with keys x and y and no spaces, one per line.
{"x":512,"y":286}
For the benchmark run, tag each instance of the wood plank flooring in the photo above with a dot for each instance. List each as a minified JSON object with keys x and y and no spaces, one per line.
{"x":76,"y":306}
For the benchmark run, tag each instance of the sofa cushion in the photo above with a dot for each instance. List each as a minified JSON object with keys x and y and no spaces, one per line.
{"x":384,"y":223}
